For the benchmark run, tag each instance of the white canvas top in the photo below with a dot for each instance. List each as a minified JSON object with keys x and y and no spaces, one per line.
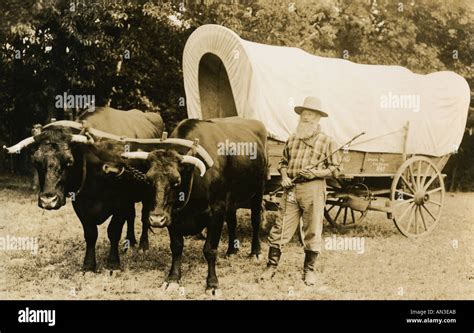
{"x":268,"y":81}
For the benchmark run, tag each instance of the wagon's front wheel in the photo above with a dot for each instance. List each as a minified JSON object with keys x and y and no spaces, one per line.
{"x":339,"y":214}
{"x":337,"y":211}
{"x":417,"y":197}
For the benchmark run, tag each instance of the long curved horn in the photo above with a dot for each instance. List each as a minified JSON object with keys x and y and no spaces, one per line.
{"x":188,"y":143}
{"x":79,"y":138}
{"x":20,"y":145}
{"x":137,"y":155}
{"x":196,"y":162}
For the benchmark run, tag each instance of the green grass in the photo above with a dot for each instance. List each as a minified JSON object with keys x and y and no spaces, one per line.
{"x":428,"y":268}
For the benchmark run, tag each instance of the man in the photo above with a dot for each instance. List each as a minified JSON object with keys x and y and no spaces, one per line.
{"x":305,"y":188}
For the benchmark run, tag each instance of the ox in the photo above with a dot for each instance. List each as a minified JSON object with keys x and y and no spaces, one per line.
{"x":187,"y":199}
{"x":67,"y":164}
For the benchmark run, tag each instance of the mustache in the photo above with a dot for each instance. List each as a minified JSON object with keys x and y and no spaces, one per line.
{"x":306,"y":129}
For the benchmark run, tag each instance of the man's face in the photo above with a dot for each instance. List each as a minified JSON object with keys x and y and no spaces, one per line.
{"x":308,"y":124}
{"x":308,"y":116}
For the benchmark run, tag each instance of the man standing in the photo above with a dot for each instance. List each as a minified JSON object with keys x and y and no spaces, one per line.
{"x":305,"y":196}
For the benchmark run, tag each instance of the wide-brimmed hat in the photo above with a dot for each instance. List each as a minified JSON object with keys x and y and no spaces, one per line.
{"x":313,"y":104}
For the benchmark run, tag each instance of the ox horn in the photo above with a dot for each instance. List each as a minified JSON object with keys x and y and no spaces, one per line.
{"x":20,"y":145}
{"x":196,"y":162}
{"x":137,"y":155}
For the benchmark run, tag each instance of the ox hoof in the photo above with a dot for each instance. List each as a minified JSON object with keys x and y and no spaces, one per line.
{"x":113,"y":265}
{"x":90,"y":267}
{"x":88,"y":274}
{"x":214,"y":292}
{"x":144,"y":246}
{"x":257,"y":257}
{"x":170,"y":287}
{"x":231,"y":253}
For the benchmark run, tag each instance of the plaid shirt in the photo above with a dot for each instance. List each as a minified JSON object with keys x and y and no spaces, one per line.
{"x":299,"y":154}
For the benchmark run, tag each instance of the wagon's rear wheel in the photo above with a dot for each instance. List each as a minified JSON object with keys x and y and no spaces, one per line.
{"x":337,"y":211}
{"x":417,"y":196}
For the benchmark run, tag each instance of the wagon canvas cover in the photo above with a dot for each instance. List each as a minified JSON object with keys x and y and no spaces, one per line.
{"x":225,"y":75}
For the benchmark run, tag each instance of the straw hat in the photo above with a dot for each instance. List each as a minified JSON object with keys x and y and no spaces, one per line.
{"x":313,"y":104}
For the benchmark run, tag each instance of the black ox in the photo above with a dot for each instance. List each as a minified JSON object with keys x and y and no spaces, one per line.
{"x":68,"y":164}
{"x":188,"y":199}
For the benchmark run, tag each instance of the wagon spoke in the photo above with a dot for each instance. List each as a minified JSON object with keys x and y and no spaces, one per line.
{"x":423,"y":219}
{"x":416,"y":219}
{"x":418,"y":176}
{"x":408,"y":184}
{"x":412,"y":177}
{"x":425,"y":175}
{"x":405,"y":193}
{"x":433,"y":178}
{"x":352,"y":214}
{"x":345,"y":215}
{"x":410,"y":218}
{"x":435,"y":202}
{"x":428,"y":211}
{"x":331,"y":208}
{"x":337,"y":214}
{"x":402,"y":202}
{"x":405,"y":211}
{"x":435,"y":190}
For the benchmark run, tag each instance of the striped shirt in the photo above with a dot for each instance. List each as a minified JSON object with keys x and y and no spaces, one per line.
{"x":301,"y":153}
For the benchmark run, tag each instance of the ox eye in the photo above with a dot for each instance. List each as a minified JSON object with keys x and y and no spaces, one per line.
{"x":176,"y":184}
{"x":69,"y":162}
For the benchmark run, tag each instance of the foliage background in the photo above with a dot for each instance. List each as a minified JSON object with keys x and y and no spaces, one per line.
{"x":48,"y":47}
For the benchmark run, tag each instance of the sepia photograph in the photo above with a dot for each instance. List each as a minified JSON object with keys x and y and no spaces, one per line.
{"x":234,"y":150}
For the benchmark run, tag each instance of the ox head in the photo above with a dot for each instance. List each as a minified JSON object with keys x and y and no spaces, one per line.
{"x":164,"y":174}
{"x":53,"y":157}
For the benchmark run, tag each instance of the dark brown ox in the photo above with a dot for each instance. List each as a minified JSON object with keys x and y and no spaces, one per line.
{"x":67,"y":164}
{"x":188,"y":199}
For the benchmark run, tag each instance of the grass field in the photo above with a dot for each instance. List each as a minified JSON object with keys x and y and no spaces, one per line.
{"x":439,"y":266}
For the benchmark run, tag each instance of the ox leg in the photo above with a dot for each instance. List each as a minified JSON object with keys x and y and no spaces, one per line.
{"x":89,"y":223}
{"x":130,"y":217}
{"x":90,"y":235}
{"x":176,"y":245}
{"x":231,"y":219}
{"x":256,"y":211}
{"x":214,"y":231}
{"x":114,"y":231}
{"x":144,"y":243}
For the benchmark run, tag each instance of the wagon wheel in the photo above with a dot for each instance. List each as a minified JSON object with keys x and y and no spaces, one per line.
{"x":417,"y":197}
{"x":337,"y":211}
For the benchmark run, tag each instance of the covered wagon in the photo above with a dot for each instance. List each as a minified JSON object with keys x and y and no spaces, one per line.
{"x":412,"y":122}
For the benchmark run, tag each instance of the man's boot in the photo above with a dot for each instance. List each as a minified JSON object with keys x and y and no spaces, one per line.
{"x":274,"y":255}
{"x":308,"y":271}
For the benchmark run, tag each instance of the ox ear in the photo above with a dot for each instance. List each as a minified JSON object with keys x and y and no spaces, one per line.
{"x":37,"y":129}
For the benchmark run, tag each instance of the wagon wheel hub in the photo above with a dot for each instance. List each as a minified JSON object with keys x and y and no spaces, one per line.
{"x":421,"y":197}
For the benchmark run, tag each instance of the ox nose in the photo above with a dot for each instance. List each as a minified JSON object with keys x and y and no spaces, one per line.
{"x":159,"y":221}
{"x":49,"y":201}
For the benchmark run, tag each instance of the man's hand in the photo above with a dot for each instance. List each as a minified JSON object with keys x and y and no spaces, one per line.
{"x":312,"y":173}
{"x":286,"y":182}
{"x":307,"y":174}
